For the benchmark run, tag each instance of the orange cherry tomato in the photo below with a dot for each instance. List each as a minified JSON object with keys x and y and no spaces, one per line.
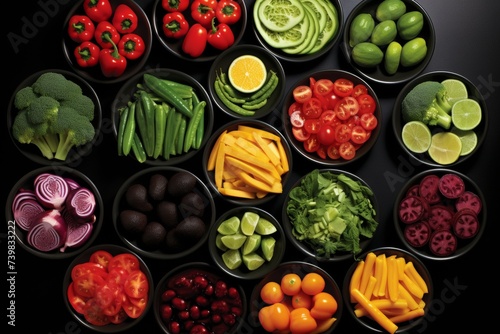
{"x":325,"y":306}
{"x":271,"y":293}
{"x":302,"y":299}
{"x":290,"y":284}
{"x":313,"y":283}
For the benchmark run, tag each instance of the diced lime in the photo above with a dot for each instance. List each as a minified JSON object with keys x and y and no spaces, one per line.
{"x":468,"y":139}
{"x":232,"y":258}
{"x":253,"y":261}
{"x":455,"y":89}
{"x":251,"y":244}
{"x":445,"y":148}
{"x":265,"y":227}
{"x":249,"y":222}
{"x":267,"y":245}
{"x":233,"y":241}
{"x":218,"y":242}
{"x":466,"y":114}
{"x":416,"y":136}
{"x":229,"y":226}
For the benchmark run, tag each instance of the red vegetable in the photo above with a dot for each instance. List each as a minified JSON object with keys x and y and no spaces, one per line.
{"x":465,"y":224}
{"x":220,"y":36}
{"x":81,"y":28}
{"x":106,"y":35}
{"x":98,"y":10}
{"x":175,"y":5}
{"x":131,"y":46}
{"x":77,"y":233}
{"x":48,"y":232}
{"x":469,"y":200}
{"x":124,"y":19}
{"x":411,"y":209}
{"x":443,"y":243}
{"x":440,"y":217}
{"x":228,"y":11}
{"x":112,"y":63}
{"x":25,"y":208}
{"x":203,"y":11}
{"x":81,"y":204}
{"x":429,"y":189}
{"x":451,"y":185}
{"x":87,"y":54}
{"x":51,"y":190}
{"x":175,"y":25}
{"x":418,"y":234}
{"x":195,"y":41}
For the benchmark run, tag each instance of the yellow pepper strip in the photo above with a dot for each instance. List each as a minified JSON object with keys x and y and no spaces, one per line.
{"x":367,"y":271}
{"x":403,"y":292}
{"x":263,"y":145}
{"x":411,"y":271}
{"x":407,"y":316}
{"x":382,"y":304}
{"x":213,"y":154}
{"x":412,"y":287}
{"x":374,"y":312}
{"x":285,"y":165}
{"x":383,"y":280}
{"x":378,"y":274}
{"x":369,"y":288}
{"x":356,"y":278}
{"x":401,"y":263}
{"x":260,"y":132}
{"x":392,"y":278}
{"x":392,"y":312}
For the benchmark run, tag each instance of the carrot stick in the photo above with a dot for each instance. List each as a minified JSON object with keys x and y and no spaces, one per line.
{"x":374,"y":312}
{"x":407,"y":316}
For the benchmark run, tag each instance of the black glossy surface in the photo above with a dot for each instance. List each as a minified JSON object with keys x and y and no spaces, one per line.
{"x":462,"y":287}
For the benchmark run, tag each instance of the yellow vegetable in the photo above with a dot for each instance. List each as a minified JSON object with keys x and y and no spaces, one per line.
{"x":411,"y":271}
{"x":356,"y":277}
{"x":392,"y":278}
{"x":374,"y":312}
{"x":367,"y":271}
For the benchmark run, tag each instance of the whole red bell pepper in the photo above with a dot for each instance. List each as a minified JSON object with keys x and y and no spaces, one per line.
{"x":113,"y":64}
{"x":124,"y":19}
{"x":81,"y":28}
{"x":203,"y":11}
{"x":131,"y":46}
{"x":175,"y":25}
{"x":228,"y":11}
{"x":175,"y":5}
{"x":195,"y":41}
{"x":87,"y":54}
{"x":98,"y":10}
{"x":220,"y":36}
{"x":103,"y":30}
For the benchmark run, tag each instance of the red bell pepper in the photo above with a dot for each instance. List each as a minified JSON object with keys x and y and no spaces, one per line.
{"x":228,"y":11}
{"x":195,"y":41}
{"x":203,"y":11}
{"x":81,"y":28}
{"x":124,"y":19}
{"x":221,"y":36}
{"x":106,"y":29}
{"x":175,"y":5}
{"x":98,"y":10}
{"x":175,"y":25}
{"x":87,"y":54}
{"x":131,"y":46}
{"x":113,"y":64}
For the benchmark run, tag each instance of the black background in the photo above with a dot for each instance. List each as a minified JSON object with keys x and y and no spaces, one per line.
{"x":467,"y":35}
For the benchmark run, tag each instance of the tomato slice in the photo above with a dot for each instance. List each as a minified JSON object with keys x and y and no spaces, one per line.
{"x":312,"y":125}
{"x":136,"y":285}
{"x":326,"y":135}
{"x":295,"y":106}
{"x":94,"y":314}
{"x":327,"y":117}
{"x":333,"y":151}
{"x":117,"y":275}
{"x":358,"y":90}
{"x":323,"y":87}
{"x":297,"y":119}
{"x":347,"y":150}
{"x":300,"y":133}
{"x":359,"y":135}
{"x":368,"y":121}
{"x":133,"y":310}
{"x":77,"y":302}
{"x":342,"y":133}
{"x":312,"y":108}
{"x":118,"y":318}
{"x":343,"y":87}
{"x":367,"y":104}
{"x":321,"y":152}
{"x":87,"y":267}
{"x":302,"y":93}
{"x":348,"y":106}
{"x":311,"y":144}
{"x":87,"y":284}
{"x":101,"y":257}
{"x":126,"y":261}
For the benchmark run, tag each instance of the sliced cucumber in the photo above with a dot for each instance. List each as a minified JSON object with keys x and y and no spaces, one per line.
{"x":315,"y":25}
{"x":332,"y":25}
{"x":311,"y":32}
{"x":280,"y":15}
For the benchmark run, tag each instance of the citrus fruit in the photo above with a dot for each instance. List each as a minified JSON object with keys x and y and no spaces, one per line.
{"x":247,"y":73}
{"x":232,"y":258}
{"x":468,"y":139}
{"x":218,"y":242}
{"x":233,"y":241}
{"x":251,"y":244}
{"x":265,"y":227}
{"x":253,"y":261}
{"x":466,"y":114}
{"x":445,"y":148}
{"x":249,"y":222}
{"x":455,"y":89}
{"x":229,"y":226}
{"x":416,"y":136}
{"x":267,"y":246}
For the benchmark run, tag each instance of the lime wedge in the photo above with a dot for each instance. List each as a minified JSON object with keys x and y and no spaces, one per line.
{"x":233,"y":241}
{"x":466,"y":114}
{"x":219,"y":244}
{"x":445,"y":148}
{"x":455,"y":89}
{"x":249,"y":222}
{"x":267,"y":245}
{"x":253,"y":261}
{"x":251,"y":244}
{"x":232,"y":258}
{"x":265,"y":227}
{"x":229,"y":226}
{"x":468,"y":139}
{"x":416,"y":136}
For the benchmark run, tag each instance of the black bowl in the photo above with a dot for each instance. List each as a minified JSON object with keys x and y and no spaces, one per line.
{"x":378,"y":73}
{"x":77,"y":153}
{"x":222,"y":63}
{"x":129,"y":322}
{"x":94,"y":73}
{"x":26,"y":183}
{"x":473,"y":93}
{"x":126,"y":95}
{"x":307,"y":249}
{"x":334,"y":8}
{"x":422,"y":249}
{"x":367,"y":322}
{"x":299,"y":145}
{"x":174,"y":46}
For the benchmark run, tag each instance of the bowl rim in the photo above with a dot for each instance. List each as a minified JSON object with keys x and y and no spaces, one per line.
{"x":423,"y":252}
{"x":397,"y":122}
{"x":159,"y":255}
{"x":431,"y":45}
{"x":55,"y":254}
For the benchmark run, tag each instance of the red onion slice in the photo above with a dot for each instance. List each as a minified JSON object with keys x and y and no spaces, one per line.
{"x":25,"y":212}
{"x":51,"y":190}
{"x":48,"y":232}
{"x":81,"y":203}
{"x":77,"y":235}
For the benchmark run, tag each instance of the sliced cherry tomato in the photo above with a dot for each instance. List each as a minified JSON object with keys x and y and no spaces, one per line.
{"x":118,"y":318}
{"x":312,"y":125}
{"x":326,"y":135}
{"x":333,"y":151}
{"x":358,"y":90}
{"x":87,"y":267}
{"x":312,"y":82}
{"x":101,"y":257}
{"x":126,"y":261}
{"x":77,"y":302}
{"x":111,"y":297}
{"x":300,"y":133}
{"x":368,"y":121}
{"x":353,"y":121}
{"x":359,"y":135}
{"x":133,"y":311}
{"x":312,"y":108}
{"x":347,"y":107}
{"x":311,"y":144}
{"x":87,"y":284}
{"x":366,"y":103}
{"x":136,"y":285}
{"x":297,"y":119}
{"x":295,"y":106}
{"x":94,"y":314}
{"x":321,"y":152}
{"x":327,"y":117}
{"x":302,"y":93}
{"x":323,"y":87}
{"x":342,"y":133}
{"x":343,"y":87}
{"x":117,"y":275}
{"x":347,"y":150}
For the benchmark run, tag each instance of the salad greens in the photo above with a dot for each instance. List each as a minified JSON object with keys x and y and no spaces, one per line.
{"x":331,"y":213}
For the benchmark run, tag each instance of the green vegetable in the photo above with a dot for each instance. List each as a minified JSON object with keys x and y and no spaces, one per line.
{"x":23,"y":97}
{"x":138,"y":148}
{"x":361,"y":28}
{"x":266,"y":90}
{"x":219,"y":90}
{"x":367,"y":54}
{"x":331,"y":213}
{"x":384,"y":33}
{"x":413,"y":52}
{"x":81,"y":103}
{"x":129,"y":132}
{"x":392,"y":57}
{"x":148,"y":106}
{"x":124,"y":112}
{"x":181,"y":135}
{"x":390,"y":10}
{"x":163,"y":90}
{"x":410,"y":25}
{"x":170,"y":133}
{"x":56,"y":86}
{"x":160,"y":123}
{"x":27,"y":133}
{"x":140,"y":119}
{"x":280,"y":15}
{"x":427,"y":102}
{"x":192,"y":126}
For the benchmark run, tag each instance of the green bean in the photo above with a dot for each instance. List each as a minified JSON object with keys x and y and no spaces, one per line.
{"x":254,"y":106}
{"x":199,"y":110}
{"x":226,"y":89}
{"x":169,"y":135}
{"x":148,"y":106}
{"x":272,"y":76}
{"x":232,"y":106}
{"x":128,"y":134}
{"x":121,"y":128}
{"x":138,"y":148}
{"x":160,"y":126}
{"x":200,"y":132}
{"x":140,"y":119}
{"x":180,"y":136}
{"x":267,"y":93}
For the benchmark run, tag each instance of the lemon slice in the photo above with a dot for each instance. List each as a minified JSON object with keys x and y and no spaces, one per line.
{"x":249,"y":222}
{"x":466,"y":114}
{"x":445,"y":148}
{"x":455,"y":89}
{"x":229,"y":226}
{"x":232,"y":258}
{"x":416,"y":136}
{"x":247,"y":73}
{"x":468,"y":139}
{"x":265,"y":227}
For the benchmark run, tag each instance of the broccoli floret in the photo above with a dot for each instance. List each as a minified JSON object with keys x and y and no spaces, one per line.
{"x":427,"y":102}
{"x":43,"y":109}
{"x":24,"y":97}
{"x":55,"y":85}
{"x":81,"y":103}
{"x":73,"y":130}
{"x":27,"y":133}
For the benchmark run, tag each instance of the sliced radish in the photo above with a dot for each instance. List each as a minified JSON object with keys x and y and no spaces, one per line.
{"x":440,"y":217}
{"x":429,"y":189}
{"x":469,"y":200}
{"x":417,"y":234}
{"x":443,"y":243}
{"x":451,"y":185}
{"x":465,"y":224}
{"x":412,"y":209}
